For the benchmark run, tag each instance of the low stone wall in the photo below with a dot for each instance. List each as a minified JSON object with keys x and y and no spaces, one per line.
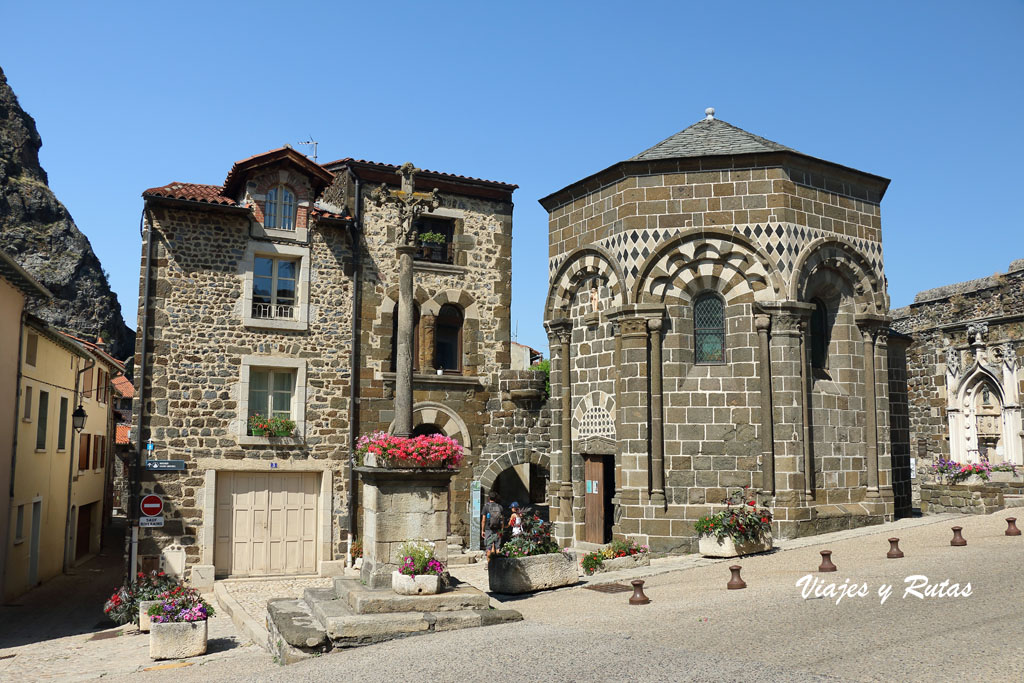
{"x":970,"y":499}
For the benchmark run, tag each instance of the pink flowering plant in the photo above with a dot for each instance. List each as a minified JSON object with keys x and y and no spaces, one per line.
{"x":418,"y":558}
{"x":952,"y":472}
{"x":387,"y":450}
{"x":180,"y":605}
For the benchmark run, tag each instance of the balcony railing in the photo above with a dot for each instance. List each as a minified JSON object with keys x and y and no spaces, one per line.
{"x":273,"y":311}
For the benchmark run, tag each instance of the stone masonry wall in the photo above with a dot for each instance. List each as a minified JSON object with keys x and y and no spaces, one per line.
{"x":968,"y":499}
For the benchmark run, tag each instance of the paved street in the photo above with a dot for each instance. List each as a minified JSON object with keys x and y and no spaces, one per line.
{"x":695,"y":629}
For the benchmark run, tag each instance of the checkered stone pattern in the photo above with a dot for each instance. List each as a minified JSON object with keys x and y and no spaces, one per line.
{"x":782,"y":242}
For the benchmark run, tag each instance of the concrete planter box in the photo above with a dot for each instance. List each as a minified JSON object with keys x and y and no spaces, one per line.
{"x":627,"y":562}
{"x":421,"y":584}
{"x":144,"y":606}
{"x":999,"y":477}
{"x":709,"y":546}
{"x":513,"y":575}
{"x":177,"y":640}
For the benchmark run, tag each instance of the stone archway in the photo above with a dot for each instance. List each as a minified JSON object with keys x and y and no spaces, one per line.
{"x":537,"y":473}
{"x":445,"y":419}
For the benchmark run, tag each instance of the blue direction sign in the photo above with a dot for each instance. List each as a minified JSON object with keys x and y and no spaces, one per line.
{"x":165,"y":465}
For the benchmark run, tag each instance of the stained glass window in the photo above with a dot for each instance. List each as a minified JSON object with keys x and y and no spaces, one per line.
{"x":708,"y":329}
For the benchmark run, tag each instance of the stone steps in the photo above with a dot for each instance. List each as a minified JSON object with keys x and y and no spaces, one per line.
{"x":467,"y":557}
{"x":1013,"y":501}
{"x":351,"y":615}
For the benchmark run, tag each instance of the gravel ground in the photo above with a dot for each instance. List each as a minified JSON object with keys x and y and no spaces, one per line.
{"x":695,"y":629}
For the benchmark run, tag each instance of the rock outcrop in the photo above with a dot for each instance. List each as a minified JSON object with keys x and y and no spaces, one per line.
{"x":39,"y":233}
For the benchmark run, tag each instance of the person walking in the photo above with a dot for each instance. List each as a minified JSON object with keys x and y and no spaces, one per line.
{"x":491,"y":524}
{"x":515,"y":520}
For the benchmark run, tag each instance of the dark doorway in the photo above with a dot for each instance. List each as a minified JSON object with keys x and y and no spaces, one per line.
{"x":426,"y":430}
{"x":82,"y":537}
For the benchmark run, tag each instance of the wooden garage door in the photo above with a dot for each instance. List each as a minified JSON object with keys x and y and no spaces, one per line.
{"x":266,"y":523}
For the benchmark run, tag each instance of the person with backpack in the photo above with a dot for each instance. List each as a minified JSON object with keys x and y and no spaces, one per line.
{"x":491,"y":524}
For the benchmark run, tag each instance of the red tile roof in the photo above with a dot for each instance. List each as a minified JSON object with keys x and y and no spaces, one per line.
{"x":208,"y":194}
{"x":320,"y":176}
{"x":123,"y":386}
{"x":123,"y":436}
{"x":92,"y":346}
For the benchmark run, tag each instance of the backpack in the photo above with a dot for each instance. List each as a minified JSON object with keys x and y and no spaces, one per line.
{"x":494,"y":516}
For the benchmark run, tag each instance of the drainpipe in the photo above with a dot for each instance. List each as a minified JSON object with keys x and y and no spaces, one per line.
{"x":353,"y":411}
{"x":146,"y":230}
{"x":68,"y":550}
{"x":17,"y":409}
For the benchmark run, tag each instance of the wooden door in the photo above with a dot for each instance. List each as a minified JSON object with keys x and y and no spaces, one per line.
{"x":593,"y":472}
{"x":265,"y":523}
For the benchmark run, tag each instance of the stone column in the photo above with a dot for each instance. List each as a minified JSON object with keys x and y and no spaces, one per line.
{"x":870,"y":408}
{"x":806,"y":385}
{"x":428,"y":324}
{"x":634,"y":425}
{"x":763,"y":324}
{"x":403,"y":354}
{"x":565,"y":491}
{"x":654,"y":326}
{"x":616,"y":330}
{"x":559,"y":336}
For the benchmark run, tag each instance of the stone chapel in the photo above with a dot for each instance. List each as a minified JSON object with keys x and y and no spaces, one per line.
{"x":717,"y":317}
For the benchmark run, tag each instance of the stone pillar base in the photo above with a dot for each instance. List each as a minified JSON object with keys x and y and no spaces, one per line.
{"x":401,"y":505}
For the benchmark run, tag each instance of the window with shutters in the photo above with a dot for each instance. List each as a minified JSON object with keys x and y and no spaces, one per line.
{"x":44,"y":409}
{"x":62,"y":425}
{"x":83,"y":452}
{"x":31,"y":349}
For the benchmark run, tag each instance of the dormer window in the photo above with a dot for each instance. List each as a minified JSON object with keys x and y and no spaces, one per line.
{"x":280,"y":210}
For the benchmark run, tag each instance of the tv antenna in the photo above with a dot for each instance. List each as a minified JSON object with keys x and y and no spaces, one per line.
{"x":310,"y":143}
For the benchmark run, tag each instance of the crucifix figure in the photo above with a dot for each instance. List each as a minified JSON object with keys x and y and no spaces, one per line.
{"x":409,"y":205}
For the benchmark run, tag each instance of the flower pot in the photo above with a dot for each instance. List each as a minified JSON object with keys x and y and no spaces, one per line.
{"x":258,"y":432}
{"x":513,"y":575}
{"x":627,"y":562}
{"x":421,"y":584}
{"x":177,"y":640}
{"x":283,"y":432}
{"x":710,"y":546}
{"x":144,"y":606}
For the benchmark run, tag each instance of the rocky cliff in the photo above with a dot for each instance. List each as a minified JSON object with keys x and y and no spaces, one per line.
{"x":39,"y":233}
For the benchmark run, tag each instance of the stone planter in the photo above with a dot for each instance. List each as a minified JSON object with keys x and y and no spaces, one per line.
{"x":999,"y":477}
{"x":627,"y":562}
{"x":710,"y":546}
{"x":144,"y":606}
{"x":177,"y":640}
{"x":513,"y":575}
{"x":421,"y":584}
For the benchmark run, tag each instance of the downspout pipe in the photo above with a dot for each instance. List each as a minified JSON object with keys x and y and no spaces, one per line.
{"x":353,"y":411}
{"x":68,"y":549}
{"x":18,"y":395}
{"x":146,"y":231}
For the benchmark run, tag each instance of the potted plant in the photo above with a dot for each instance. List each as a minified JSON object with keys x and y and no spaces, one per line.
{"x":743,"y":527}
{"x":356,"y":552}
{"x":435,"y":451}
{"x":281,"y":426}
{"x":131,"y":602}
{"x":179,"y":624}
{"x":429,"y":241}
{"x":531,"y":560}
{"x":420,"y":572}
{"x":259,"y":425}
{"x":619,"y":554}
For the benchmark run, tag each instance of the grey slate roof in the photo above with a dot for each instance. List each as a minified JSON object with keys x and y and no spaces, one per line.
{"x":710,"y":137}
{"x":20,"y":278}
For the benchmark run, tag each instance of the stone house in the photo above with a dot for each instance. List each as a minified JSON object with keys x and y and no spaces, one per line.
{"x":962,"y":372}
{"x":717,"y":316}
{"x":275,"y":294}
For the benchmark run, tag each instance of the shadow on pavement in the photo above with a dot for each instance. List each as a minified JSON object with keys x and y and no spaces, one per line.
{"x":67,"y":604}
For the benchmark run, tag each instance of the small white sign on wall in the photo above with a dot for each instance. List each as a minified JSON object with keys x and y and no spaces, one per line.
{"x":913,"y":468}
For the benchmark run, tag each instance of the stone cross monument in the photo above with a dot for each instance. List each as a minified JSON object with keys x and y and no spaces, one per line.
{"x":410,"y":205}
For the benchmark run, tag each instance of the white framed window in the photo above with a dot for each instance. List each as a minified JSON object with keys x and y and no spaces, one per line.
{"x":274,"y":281}
{"x":280,"y":208}
{"x":276,"y":286}
{"x":272,"y":386}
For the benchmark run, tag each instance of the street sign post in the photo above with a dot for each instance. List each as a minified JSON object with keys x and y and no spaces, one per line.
{"x":151,"y":521}
{"x":165,"y":465}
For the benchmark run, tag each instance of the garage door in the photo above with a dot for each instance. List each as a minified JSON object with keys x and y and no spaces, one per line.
{"x":266,"y":523}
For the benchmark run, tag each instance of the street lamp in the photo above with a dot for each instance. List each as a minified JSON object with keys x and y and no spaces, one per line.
{"x":78,"y":418}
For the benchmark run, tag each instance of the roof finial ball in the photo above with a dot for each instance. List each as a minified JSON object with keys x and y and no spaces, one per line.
{"x":709,"y":114}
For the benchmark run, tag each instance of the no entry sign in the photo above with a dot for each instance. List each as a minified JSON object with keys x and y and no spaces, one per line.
{"x":152,"y":505}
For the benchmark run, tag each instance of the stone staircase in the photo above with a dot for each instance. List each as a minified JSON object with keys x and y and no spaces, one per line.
{"x":458,"y":555}
{"x":351,"y":615}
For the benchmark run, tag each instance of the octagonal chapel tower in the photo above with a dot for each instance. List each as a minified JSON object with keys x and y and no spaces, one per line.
{"x":717,"y":317}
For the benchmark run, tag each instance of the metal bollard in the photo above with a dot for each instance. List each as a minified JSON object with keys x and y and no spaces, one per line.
{"x":958,"y":538}
{"x":894,"y":549}
{"x":826,"y":562}
{"x":1011,"y":527}
{"x":735,"y":583}
{"x":638,"y":597}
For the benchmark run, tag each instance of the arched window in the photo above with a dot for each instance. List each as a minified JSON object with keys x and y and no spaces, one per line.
{"x":448,"y":340}
{"x":819,"y":335}
{"x":280,"y":210}
{"x":415,"y":337}
{"x":708,"y":329}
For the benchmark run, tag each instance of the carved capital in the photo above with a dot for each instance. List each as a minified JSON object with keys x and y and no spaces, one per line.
{"x":559,"y":331}
{"x":655,"y":325}
{"x":787,"y":323}
{"x":633,"y":326}
{"x":1004,"y":353}
{"x":762,"y":322}
{"x":976,"y":333}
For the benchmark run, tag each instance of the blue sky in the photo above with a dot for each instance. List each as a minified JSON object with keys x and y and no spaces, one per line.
{"x":132,"y":95}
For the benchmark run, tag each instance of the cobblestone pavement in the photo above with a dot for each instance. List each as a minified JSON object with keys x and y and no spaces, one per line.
{"x":253,"y":594}
{"x":114,"y":651}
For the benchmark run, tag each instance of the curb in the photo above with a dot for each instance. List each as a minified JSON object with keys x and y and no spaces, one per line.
{"x":245,"y":623}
